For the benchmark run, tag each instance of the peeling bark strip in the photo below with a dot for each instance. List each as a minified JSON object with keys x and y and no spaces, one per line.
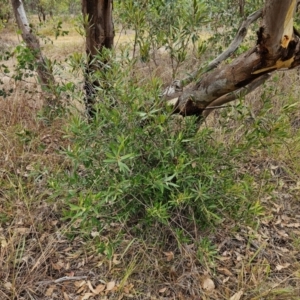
{"x":278,"y":46}
{"x":99,"y":34}
{"x":44,"y":74}
{"x":276,"y":43}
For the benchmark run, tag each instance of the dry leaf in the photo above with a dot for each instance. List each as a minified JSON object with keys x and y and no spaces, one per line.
{"x":58,"y":266}
{"x":68,"y":249}
{"x":253,"y":278}
{"x":283,"y":249}
{"x":115,"y":259}
{"x":81,"y":289}
{"x":90,"y":287}
{"x":237,"y":296}
{"x":224,"y":258}
{"x":95,"y":234}
{"x":284,"y":266}
{"x":49,"y":291}
{"x":169,"y":255}
{"x":295,"y":225}
{"x":277,"y":207}
{"x":70,"y":274}
{"x":22,"y":230}
{"x":128,"y":288}
{"x":226,"y":279}
{"x":225,"y":271}
{"x":99,"y":288}
{"x":239,"y":257}
{"x":3,"y":241}
{"x":208,"y":284}
{"x":282,"y":233}
{"x":110,"y":285}
{"x":275,"y":285}
{"x":53,"y":223}
{"x":79,"y":283}
{"x":8,"y":285}
{"x":239,"y":238}
{"x":87,"y":296}
{"x":66,"y":297}
{"x":161,"y":291}
{"x":285,"y":218}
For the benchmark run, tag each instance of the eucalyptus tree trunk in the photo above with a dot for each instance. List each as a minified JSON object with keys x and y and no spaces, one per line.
{"x":99,"y":36}
{"x":277,"y":47}
{"x":45,"y":75}
{"x":242,"y":7}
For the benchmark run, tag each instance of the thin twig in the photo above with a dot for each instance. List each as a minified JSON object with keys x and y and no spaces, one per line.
{"x":216,"y":107}
{"x":63,"y":279}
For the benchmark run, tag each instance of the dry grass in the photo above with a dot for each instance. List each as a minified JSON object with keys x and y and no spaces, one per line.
{"x":36,"y":250}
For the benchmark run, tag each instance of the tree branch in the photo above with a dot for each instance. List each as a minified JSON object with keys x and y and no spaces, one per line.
{"x":277,"y":47}
{"x":236,"y":94}
{"x":44,"y":74}
{"x":241,"y":34}
{"x":177,"y":85}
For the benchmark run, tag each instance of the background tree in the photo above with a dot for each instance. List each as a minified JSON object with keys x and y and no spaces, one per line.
{"x":99,"y":35}
{"x":42,"y":8}
{"x":99,"y":30}
{"x":5,"y":12}
{"x":34,"y":52}
{"x":73,"y":7}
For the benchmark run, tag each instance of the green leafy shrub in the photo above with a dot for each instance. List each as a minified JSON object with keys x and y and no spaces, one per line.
{"x":138,"y":164}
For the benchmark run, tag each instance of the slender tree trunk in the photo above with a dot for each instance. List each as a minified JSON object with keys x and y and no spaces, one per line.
{"x":45,"y":75}
{"x":99,"y":35}
{"x":242,"y":7}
